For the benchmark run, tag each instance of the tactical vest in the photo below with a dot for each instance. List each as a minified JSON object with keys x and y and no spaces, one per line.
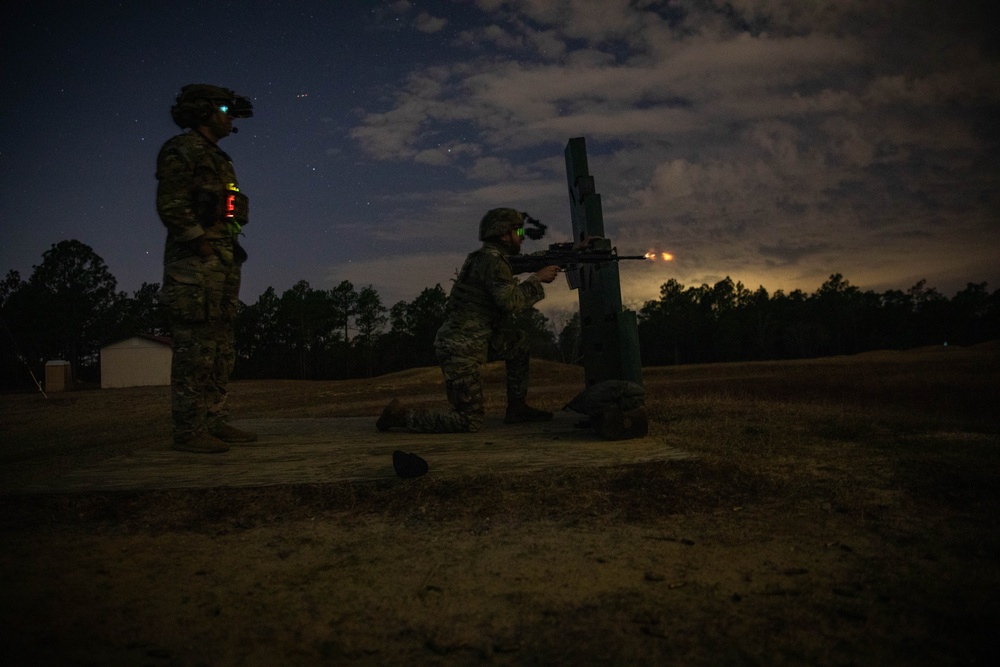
{"x":470,"y":291}
{"x":220,"y":207}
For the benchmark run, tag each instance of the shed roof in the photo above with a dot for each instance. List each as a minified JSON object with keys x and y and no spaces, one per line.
{"x":162,"y":340}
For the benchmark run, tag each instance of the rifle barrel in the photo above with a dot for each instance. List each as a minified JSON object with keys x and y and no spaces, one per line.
{"x":605,"y":258}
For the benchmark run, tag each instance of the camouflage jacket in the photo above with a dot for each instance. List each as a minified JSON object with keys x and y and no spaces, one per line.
{"x":195,"y":178}
{"x":484,"y":295}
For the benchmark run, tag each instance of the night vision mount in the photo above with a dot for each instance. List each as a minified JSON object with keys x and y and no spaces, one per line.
{"x":240,"y":107}
{"x":533,"y":229}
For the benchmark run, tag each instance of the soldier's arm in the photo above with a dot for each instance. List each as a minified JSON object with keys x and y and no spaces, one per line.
{"x":174,"y":196}
{"x":509,"y":294}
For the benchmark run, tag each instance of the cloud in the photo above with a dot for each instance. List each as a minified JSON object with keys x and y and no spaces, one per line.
{"x":429,"y":24}
{"x":790,"y":253}
{"x":491,"y":169}
{"x":398,"y":277}
{"x":776,"y":138}
{"x":592,"y":20}
{"x":513,"y":104}
{"x":446,"y":153}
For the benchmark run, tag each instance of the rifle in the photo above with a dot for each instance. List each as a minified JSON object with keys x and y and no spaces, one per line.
{"x":577,"y":263}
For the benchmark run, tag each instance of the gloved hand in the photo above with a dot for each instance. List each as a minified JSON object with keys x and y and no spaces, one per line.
{"x":547,"y":274}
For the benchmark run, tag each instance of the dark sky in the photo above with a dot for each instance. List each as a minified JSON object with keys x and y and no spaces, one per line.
{"x":775,"y":142}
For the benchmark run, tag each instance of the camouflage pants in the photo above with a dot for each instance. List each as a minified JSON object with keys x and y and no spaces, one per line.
{"x":201,"y":297}
{"x":461,"y":363}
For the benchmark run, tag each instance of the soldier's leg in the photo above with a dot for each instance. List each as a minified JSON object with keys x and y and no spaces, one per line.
{"x":511,"y":345}
{"x":517,"y":377}
{"x":190,"y":372}
{"x":216,"y":388}
{"x":465,"y":393}
{"x":220,"y":313}
{"x":183,"y":295}
{"x":194,"y":352}
{"x":217,"y":393}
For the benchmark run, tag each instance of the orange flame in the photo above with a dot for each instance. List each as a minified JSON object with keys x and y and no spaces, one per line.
{"x":665,"y":256}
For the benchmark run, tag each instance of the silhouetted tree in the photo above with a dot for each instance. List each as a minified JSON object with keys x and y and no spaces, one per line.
{"x":410,"y":342}
{"x":15,"y":364}
{"x":670,"y":329}
{"x":67,"y":308}
{"x":541,"y":340}
{"x":370,"y":318}
{"x":343,"y":301}
{"x":569,"y":341}
{"x":757,"y":326}
{"x":894,"y":329}
{"x":834,"y":307}
{"x":930,"y":310}
{"x":11,"y":284}
{"x":141,"y":313}
{"x":970,"y":315}
{"x":307,"y":326}
{"x":260,"y":350}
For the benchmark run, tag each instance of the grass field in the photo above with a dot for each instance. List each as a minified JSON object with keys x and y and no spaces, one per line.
{"x":840,"y":511}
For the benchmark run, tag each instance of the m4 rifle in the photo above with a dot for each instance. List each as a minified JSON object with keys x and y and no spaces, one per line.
{"x":576,"y":260}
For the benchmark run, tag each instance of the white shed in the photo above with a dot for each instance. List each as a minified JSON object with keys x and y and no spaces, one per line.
{"x":139,"y":361}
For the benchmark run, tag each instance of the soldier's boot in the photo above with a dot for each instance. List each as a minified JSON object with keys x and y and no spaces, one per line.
{"x":201,"y":443}
{"x":394,"y":416}
{"x":519,"y":412}
{"x":227,"y":433}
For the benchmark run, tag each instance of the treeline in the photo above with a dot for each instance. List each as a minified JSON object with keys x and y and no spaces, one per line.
{"x":311,"y":334}
{"x":728,"y":322}
{"x":70,"y":307}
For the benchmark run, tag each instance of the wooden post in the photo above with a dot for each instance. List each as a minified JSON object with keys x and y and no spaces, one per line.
{"x":609,"y":334}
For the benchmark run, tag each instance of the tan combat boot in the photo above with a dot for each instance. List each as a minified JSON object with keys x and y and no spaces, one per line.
{"x":201,"y":443}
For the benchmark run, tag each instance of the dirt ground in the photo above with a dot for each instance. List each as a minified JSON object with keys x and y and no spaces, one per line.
{"x":838,"y":512}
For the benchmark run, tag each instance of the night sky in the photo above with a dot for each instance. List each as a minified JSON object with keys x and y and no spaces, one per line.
{"x":773,"y":141}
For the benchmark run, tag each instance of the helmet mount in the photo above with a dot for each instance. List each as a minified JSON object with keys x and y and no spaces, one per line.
{"x":198,"y":102}
{"x":499,"y":221}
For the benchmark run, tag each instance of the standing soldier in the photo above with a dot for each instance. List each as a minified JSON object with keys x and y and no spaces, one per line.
{"x":200,"y":203}
{"x":477,"y":322}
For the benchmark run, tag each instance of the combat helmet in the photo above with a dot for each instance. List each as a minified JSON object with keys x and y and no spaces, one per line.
{"x":498,"y":221}
{"x":198,"y":101}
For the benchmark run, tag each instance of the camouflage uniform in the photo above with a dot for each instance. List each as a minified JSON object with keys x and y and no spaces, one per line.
{"x":476,"y":324}
{"x":201,"y":294}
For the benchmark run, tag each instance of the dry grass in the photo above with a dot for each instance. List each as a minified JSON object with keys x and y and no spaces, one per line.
{"x":846,"y":431}
{"x":840,"y":511}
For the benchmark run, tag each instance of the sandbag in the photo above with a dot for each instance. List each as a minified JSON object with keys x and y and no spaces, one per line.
{"x":616,"y":409}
